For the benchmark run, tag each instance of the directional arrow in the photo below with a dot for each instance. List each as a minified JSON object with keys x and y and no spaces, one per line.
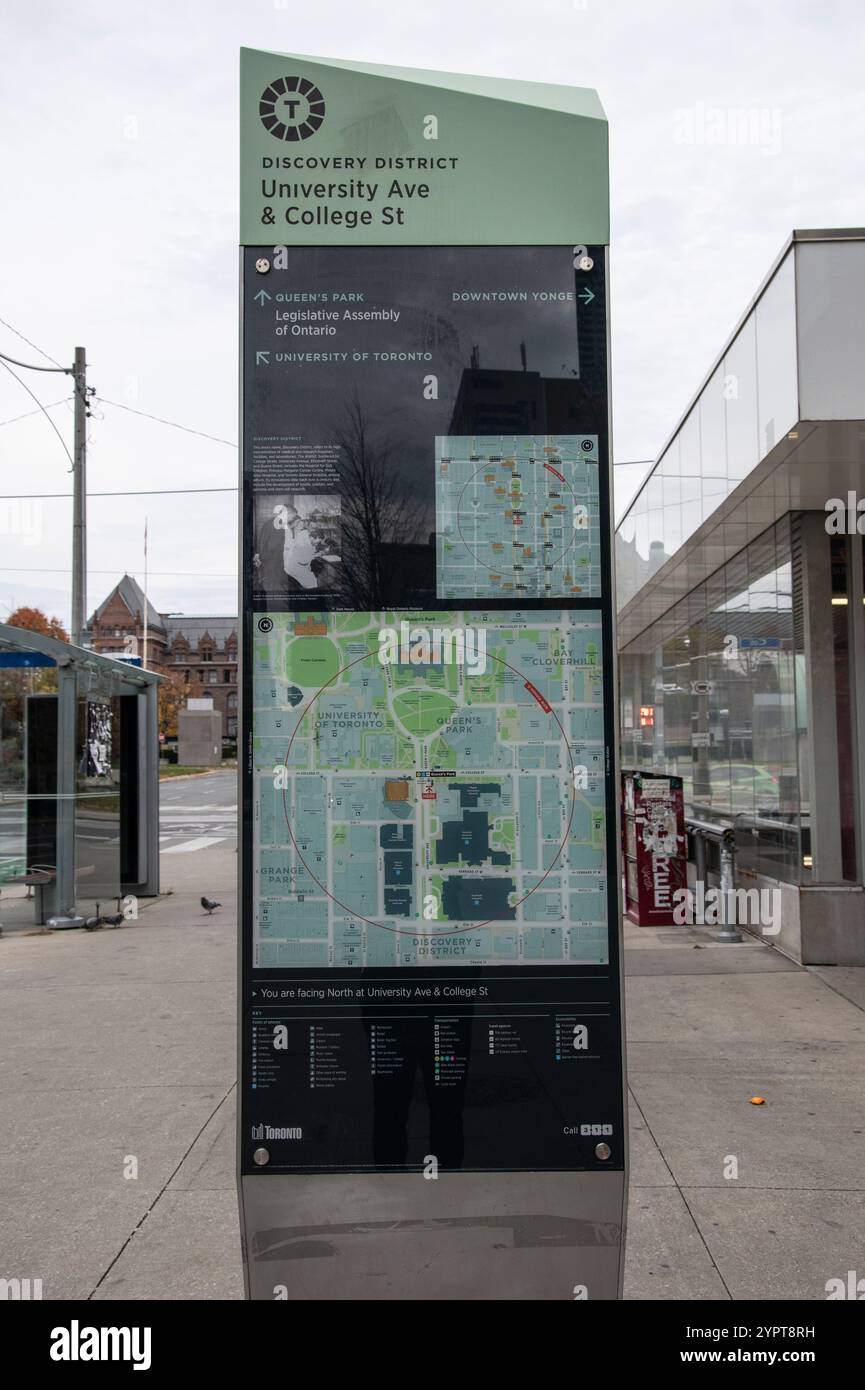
{"x":262,"y":356}
{"x":262,"y":296}
{"x":586,"y":295}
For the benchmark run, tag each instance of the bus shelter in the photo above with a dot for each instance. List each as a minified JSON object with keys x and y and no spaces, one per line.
{"x":79,"y":780}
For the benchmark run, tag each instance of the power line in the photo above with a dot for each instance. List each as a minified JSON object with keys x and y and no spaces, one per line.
{"x":163,"y":574}
{"x":28,"y":414}
{"x":153,"y":492}
{"x":33,"y":366}
{"x":173,"y":423}
{"x":63,"y":444}
{"x":35,"y":347}
{"x":117,"y":404}
{"x":148,"y":492}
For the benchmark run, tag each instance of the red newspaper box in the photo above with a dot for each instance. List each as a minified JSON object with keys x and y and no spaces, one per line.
{"x":653,"y":846}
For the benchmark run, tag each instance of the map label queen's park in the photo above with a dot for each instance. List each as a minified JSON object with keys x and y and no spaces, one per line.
{"x":430,"y":812}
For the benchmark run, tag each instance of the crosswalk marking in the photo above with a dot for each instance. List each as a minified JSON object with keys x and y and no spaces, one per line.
{"x":201,"y":842}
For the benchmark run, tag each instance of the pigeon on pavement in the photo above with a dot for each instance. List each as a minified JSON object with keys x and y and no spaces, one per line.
{"x":209,"y":905}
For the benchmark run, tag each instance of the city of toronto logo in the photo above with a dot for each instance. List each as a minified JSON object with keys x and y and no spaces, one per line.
{"x":277,"y":1132}
{"x":291,"y":108}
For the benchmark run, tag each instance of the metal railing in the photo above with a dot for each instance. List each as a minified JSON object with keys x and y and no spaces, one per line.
{"x":724,"y":836}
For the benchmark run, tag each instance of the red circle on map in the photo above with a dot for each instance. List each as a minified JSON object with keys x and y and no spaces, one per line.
{"x":405,"y":931}
{"x":531,"y":569}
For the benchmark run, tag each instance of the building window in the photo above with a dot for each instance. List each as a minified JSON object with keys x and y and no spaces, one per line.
{"x":724,"y":680}
{"x":226,"y":677}
{"x":232,"y":701}
{"x":213,"y":677}
{"x":844,"y":705}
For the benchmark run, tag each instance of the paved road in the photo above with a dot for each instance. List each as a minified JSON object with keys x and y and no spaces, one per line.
{"x":197,"y":812}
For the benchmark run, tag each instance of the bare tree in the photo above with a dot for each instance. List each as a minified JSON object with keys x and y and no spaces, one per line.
{"x":380,"y":517}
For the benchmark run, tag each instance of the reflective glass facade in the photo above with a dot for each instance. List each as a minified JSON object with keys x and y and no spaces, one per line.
{"x":747,"y":404}
{"x":715,"y":696}
{"x":741,"y":610}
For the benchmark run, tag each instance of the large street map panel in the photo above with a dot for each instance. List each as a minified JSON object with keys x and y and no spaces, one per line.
{"x":517,"y":516}
{"x":413,"y":813}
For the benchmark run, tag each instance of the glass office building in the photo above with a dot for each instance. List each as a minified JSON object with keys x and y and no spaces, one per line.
{"x":741,"y":601}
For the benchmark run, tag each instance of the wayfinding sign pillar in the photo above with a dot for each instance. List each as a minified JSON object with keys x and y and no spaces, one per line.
{"x":430,"y":1023}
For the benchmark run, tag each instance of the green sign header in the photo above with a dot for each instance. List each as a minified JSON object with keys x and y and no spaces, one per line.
{"x":335,"y":153}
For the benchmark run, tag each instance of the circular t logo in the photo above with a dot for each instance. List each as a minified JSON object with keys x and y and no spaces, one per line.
{"x":291,"y":108}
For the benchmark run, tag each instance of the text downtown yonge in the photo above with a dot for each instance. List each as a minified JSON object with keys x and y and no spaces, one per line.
{"x":299,"y":316}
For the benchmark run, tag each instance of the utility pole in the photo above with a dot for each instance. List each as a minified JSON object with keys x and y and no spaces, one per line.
{"x":79,"y":501}
{"x":144,"y":657}
{"x":78,"y":458}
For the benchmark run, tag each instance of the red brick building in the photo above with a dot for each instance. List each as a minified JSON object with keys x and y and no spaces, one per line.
{"x":201,"y":650}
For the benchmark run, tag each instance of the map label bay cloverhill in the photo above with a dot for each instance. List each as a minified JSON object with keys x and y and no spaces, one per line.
{"x":430,"y":1029}
{"x":427,"y":815}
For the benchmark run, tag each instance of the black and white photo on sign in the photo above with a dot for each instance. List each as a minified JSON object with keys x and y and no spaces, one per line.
{"x":297,"y":542}
{"x":97,"y":754}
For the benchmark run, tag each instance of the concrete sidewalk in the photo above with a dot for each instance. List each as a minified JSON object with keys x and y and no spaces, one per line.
{"x":118,"y":1050}
{"x":120,"y":1045}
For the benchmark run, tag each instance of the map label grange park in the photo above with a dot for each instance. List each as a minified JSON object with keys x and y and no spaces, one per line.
{"x":410,"y":814}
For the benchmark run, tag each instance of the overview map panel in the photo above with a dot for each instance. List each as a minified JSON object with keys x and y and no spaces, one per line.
{"x":414,"y":809}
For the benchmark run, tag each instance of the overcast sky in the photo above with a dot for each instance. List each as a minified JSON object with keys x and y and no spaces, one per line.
{"x":119,"y":230}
